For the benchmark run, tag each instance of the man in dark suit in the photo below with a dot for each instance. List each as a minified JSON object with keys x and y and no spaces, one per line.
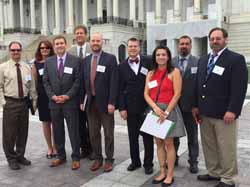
{"x":61,"y":81}
{"x":187,"y":64}
{"x":100,"y":82}
{"x":82,"y":49}
{"x":132,"y":105}
{"x":221,"y":88}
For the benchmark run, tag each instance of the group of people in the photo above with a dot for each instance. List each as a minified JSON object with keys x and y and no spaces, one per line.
{"x":85,"y":85}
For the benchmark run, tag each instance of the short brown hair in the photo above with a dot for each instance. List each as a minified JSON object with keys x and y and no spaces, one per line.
{"x":224,"y":32}
{"x":47,"y":43}
{"x":186,"y":37}
{"x":15,"y":42}
{"x":133,"y":39}
{"x":59,"y":37}
{"x":83,"y":27}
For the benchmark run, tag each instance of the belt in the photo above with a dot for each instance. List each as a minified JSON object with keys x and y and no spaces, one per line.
{"x":16,"y":99}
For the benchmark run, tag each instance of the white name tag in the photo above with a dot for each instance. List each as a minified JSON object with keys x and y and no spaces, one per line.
{"x":194,"y":70}
{"x":41,"y":71}
{"x":68,"y":70}
{"x":100,"y":68}
{"x":152,"y":84}
{"x":87,"y":54}
{"x":218,"y":70}
{"x":144,"y":71}
{"x":28,"y":77}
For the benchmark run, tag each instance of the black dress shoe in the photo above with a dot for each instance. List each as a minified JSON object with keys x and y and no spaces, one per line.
{"x":163,"y":184}
{"x":133,"y":167}
{"x":14,"y":166}
{"x":148,"y":170}
{"x":207,"y":177}
{"x":154,"y":181}
{"x":91,"y":156}
{"x":193,"y":168}
{"x":222,"y":184}
{"x":24,"y":161}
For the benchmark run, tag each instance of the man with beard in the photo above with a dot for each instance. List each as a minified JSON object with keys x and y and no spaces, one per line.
{"x":187,"y":64}
{"x":100,"y":81}
{"x":221,"y":88}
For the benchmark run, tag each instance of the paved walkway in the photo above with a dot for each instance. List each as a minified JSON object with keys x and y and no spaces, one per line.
{"x":39,"y":174}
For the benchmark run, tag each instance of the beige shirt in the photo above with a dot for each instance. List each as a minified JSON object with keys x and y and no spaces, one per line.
{"x":9,"y":84}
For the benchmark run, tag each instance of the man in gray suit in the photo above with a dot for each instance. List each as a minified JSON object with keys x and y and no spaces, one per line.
{"x":61,"y":81}
{"x":82,"y":49}
{"x":188,"y":67}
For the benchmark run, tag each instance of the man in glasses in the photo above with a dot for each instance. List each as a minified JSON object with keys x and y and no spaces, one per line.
{"x":16,"y":83}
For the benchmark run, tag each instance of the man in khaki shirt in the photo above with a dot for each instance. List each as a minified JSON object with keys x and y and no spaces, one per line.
{"x":16,"y":84}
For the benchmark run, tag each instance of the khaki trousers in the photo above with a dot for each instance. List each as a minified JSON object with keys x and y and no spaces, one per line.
{"x":219,"y":142}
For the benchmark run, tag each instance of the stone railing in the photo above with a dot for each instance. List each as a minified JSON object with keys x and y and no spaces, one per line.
{"x":21,"y":30}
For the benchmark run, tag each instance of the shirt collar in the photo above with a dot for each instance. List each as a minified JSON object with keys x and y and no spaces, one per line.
{"x":186,"y":57}
{"x":83,"y":47}
{"x":63,"y":57}
{"x":220,"y":52}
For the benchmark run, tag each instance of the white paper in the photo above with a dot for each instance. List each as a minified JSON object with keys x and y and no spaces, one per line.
{"x":68,"y":70}
{"x":144,"y":71}
{"x":152,"y":84}
{"x":100,"y":68}
{"x":28,"y":77}
{"x":41,"y":71}
{"x":218,"y":70}
{"x":87,"y":54}
{"x":194,"y":70}
{"x":84,"y":102}
{"x":151,"y":126}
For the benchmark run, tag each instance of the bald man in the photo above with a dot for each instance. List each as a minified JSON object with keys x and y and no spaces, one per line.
{"x":100,"y":87}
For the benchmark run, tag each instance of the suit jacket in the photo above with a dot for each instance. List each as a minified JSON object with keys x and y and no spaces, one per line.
{"x":73,"y":50}
{"x":131,"y":86}
{"x":188,"y":83}
{"x":68,"y":84}
{"x":222,"y":91}
{"x":106,"y":83}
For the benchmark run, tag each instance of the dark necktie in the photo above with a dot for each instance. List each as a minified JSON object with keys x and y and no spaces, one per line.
{"x":80,"y":53}
{"x":60,"y":68}
{"x":136,"y":60}
{"x":211,"y":64}
{"x":181,"y":65}
{"x":19,"y":81}
{"x":93,"y":74}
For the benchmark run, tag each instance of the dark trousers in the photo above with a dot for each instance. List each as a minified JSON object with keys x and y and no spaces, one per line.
{"x":192,"y":135}
{"x":15,"y":128}
{"x":84,"y":133}
{"x":96,"y":121}
{"x":72,"y":119}
{"x":134,"y":124}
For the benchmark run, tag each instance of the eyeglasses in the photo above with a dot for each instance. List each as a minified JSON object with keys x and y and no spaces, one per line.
{"x":41,"y":48}
{"x":15,"y":50}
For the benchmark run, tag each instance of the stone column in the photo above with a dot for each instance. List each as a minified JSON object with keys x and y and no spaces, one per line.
{"x":158,"y":11}
{"x":1,"y":20}
{"x":21,"y":14}
{"x":70,"y":26}
{"x":132,"y":10}
{"x":99,"y":10}
{"x":84,"y":12}
{"x":44,"y":29}
{"x":197,"y":10}
{"x":32,"y":15}
{"x":109,"y":8}
{"x":57,"y":17}
{"x":197,"y":46}
{"x":177,"y":11}
{"x":141,"y":10}
{"x":115,"y":8}
{"x":11,"y":14}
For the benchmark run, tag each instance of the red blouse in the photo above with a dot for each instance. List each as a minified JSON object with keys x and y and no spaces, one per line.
{"x":167,"y":89}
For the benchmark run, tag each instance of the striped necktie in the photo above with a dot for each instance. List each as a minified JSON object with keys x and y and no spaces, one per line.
{"x":211,"y":64}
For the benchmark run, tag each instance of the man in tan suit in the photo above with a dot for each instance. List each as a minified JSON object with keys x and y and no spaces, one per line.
{"x":82,"y":49}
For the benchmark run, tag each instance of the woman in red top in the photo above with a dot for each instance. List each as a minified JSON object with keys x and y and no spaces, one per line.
{"x":162,"y":92}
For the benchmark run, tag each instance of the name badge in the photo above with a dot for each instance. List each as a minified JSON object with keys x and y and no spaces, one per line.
{"x":194,"y":70}
{"x":144,"y":71}
{"x":100,"y":68}
{"x":218,"y":70}
{"x":68,"y":70}
{"x":41,"y":71}
{"x":87,"y":54}
{"x":152,"y":84}
{"x":28,"y":77}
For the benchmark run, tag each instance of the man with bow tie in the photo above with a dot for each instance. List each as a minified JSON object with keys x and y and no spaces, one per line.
{"x":132,"y":105}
